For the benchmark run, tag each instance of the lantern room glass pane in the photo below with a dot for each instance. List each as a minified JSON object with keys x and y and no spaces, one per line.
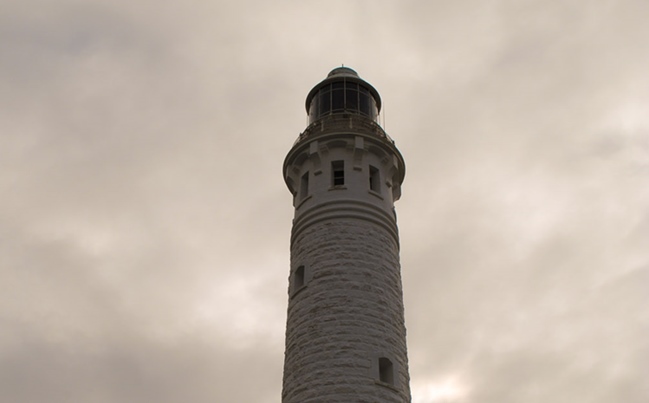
{"x":364,"y":104}
{"x":313,"y":109}
{"x":351,"y":96}
{"x":337,"y":100}
{"x":325,"y":102}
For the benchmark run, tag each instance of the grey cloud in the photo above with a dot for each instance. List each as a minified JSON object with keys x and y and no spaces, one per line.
{"x":144,"y":223}
{"x":133,"y":371}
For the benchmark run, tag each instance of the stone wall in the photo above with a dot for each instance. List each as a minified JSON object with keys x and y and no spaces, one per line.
{"x":344,"y":314}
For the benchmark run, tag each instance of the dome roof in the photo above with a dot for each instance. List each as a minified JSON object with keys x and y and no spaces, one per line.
{"x":340,"y":71}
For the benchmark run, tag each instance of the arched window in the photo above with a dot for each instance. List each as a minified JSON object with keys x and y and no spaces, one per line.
{"x":298,"y":280}
{"x":386,"y":371}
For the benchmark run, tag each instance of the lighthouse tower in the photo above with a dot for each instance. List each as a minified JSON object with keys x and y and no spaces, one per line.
{"x":345,"y":332}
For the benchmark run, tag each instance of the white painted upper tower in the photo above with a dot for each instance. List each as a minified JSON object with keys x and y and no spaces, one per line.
{"x":345,"y":332}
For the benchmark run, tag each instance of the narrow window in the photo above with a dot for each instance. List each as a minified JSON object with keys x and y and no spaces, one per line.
{"x":337,"y":173}
{"x":386,"y":371}
{"x":304,"y":186}
{"x":375,"y":179}
{"x":298,"y":278}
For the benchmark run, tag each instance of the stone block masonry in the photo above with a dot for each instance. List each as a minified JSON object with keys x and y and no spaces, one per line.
{"x":346,"y":316}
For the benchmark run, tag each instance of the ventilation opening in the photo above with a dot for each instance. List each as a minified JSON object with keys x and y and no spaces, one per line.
{"x":375,"y":179}
{"x":386,"y":371}
{"x":338,"y":173}
{"x":304,"y":185}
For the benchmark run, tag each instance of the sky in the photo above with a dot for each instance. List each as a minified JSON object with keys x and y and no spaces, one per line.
{"x":145,"y":223}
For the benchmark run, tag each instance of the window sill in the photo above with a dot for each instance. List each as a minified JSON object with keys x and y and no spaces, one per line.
{"x":375,"y":194}
{"x":303,"y":201}
{"x":338,"y":187}
{"x":386,"y":385}
{"x":296,"y":292}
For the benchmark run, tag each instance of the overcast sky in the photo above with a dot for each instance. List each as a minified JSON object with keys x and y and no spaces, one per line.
{"x":144,"y":221}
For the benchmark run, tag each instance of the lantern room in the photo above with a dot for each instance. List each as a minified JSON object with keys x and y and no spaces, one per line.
{"x":343,"y":91}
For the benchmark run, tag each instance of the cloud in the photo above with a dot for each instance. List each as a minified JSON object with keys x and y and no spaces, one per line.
{"x":144,"y":223}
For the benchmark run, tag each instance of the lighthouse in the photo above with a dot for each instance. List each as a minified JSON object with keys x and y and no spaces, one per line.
{"x":345,"y":330}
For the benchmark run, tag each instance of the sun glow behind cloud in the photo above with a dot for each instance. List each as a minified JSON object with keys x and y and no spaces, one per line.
{"x":445,"y":390}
